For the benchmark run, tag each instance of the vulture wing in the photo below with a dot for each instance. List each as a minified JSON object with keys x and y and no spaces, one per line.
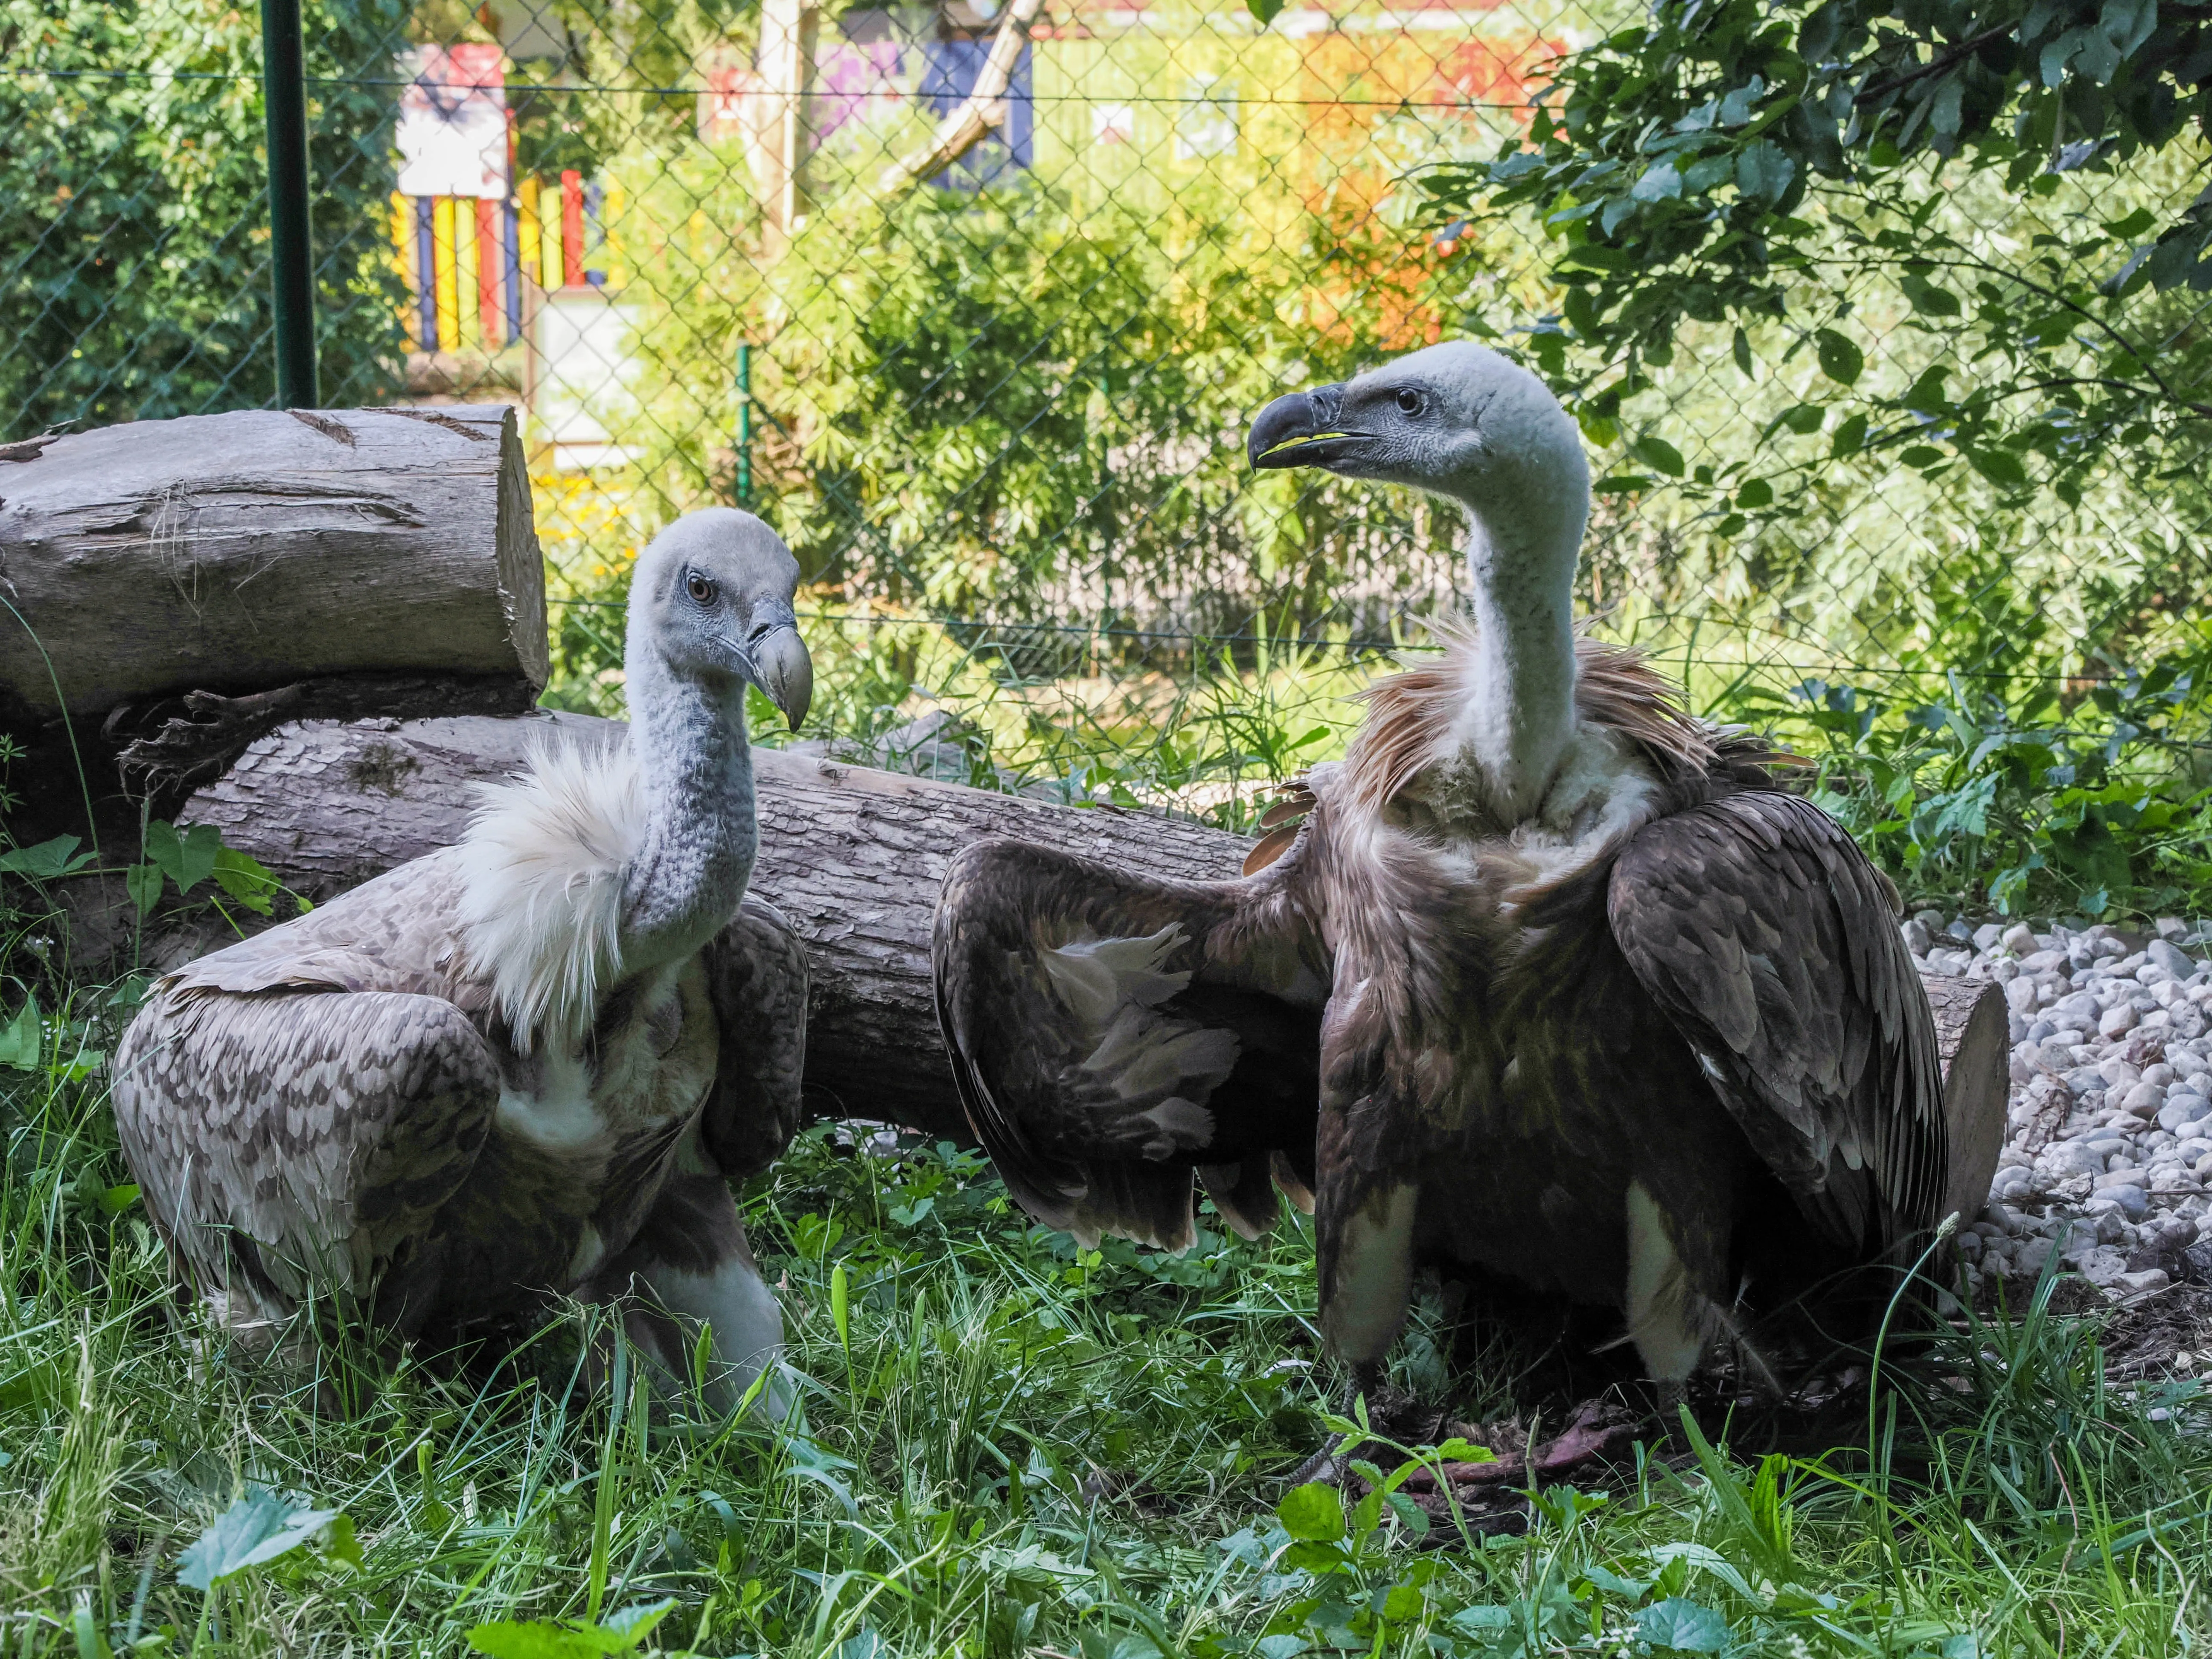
{"x":298,"y":1106}
{"x":1111,"y":1033}
{"x":1768,"y":938}
{"x":383,"y":1100}
{"x":757,"y":976}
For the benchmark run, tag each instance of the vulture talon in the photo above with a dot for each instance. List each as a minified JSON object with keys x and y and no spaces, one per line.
{"x":526,"y":1066}
{"x":1550,"y":979}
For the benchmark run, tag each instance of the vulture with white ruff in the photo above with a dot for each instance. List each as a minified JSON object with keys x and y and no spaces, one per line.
{"x":529,"y":1065}
{"x":1551,"y":984}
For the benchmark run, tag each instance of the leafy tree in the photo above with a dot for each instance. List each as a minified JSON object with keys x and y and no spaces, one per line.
{"x":1742,"y":162}
{"x":134,"y":277}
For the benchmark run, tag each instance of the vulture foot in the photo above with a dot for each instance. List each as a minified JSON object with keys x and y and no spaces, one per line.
{"x":1328,"y":1465}
{"x":1597,"y":1428}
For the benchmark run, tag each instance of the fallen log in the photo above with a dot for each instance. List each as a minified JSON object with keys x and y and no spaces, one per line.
{"x":184,"y":586}
{"x":854,"y":857}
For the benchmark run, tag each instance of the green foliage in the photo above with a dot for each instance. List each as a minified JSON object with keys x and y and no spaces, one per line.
{"x":260,"y":1526}
{"x":2022,"y":799}
{"x":976,"y":405}
{"x":186,"y":859}
{"x":134,"y":278}
{"x":585,"y":1639}
{"x":1750,"y":163}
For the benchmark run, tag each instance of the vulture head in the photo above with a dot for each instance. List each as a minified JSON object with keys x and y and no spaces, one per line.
{"x":1457,"y":420}
{"x":710,"y":602}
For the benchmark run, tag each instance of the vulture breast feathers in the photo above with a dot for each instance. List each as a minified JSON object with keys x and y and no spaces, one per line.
{"x":1661,"y":1039}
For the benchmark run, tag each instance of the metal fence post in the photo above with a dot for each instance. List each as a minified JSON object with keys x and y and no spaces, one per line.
{"x":746,"y":424}
{"x":291,"y":245}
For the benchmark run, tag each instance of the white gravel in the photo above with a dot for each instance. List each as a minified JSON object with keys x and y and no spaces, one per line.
{"x":2108,"y":1139}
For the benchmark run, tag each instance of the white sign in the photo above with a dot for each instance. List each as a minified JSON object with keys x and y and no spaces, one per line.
{"x":452,"y":122}
{"x":582,"y":392}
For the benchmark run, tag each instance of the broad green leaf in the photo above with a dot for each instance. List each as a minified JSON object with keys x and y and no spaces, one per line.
{"x":2000,"y":467}
{"x":1660,"y":183}
{"x":187,"y":859}
{"x":636,"y":1621}
{"x":1312,"y":1513}
{"x":144,"y":882}
{"x":1928,"y":299}
{"x":1264,"y":12}
{"x":1411,"y":1516}
{"x":260,"y":1526}
{"x":1456,"y":1450}
{"x":90,"y":1644}
{"x":1925,"y":395}
{"x":245,"y":879}
{"x":1763,"y":172}
{"x":1677,"y":1625}
{"x":197,"y":855}
{"x":543,"y":1639}
{"x":48,"y":859}
{"x":1657,"y":453}
{"x":1840,"y":361}
{"x":20,"y":1038}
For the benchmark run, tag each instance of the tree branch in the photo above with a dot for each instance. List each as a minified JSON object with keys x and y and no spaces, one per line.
{"x":967,"y":126}
{"x":1937,"y":64}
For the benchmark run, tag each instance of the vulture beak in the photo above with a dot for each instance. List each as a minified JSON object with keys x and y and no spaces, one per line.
{"x":1301,"y":430}
{"x":782,"y":670}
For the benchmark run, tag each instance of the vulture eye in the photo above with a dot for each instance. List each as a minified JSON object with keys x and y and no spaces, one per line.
{"x":1410,"y":402}
{"x":702,"y":590}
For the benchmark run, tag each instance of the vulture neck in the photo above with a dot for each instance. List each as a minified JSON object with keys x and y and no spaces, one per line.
{"x":695,"y":766}
{"x":1519,"y":715}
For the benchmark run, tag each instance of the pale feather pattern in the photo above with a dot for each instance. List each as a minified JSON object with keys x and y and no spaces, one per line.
{"x":542,"y":873}
{"x":1113,"y":987}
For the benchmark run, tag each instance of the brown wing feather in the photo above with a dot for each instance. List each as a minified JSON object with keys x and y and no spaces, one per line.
{"x":1763,"y":931}
{"x":1110,"y":1033}
{"x":757,"y":978}
{"x":298,"y":1139}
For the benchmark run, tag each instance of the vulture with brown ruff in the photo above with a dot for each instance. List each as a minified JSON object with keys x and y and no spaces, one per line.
{"x":1552,"y":983}
{"x":527,"y":1065}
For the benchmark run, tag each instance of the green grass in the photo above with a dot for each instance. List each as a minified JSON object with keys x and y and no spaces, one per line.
{"x":1011,"y":1447}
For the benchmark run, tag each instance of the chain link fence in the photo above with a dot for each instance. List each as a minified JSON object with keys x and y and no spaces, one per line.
{"x":972,"y":306}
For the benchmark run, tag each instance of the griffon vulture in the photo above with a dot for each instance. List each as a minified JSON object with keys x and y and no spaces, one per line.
{"x":1553,"y":984}
{"x":530,"y":1064}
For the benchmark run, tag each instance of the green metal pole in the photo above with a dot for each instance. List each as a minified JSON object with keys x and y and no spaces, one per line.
{"x":291,"y":246}
{"x":746,"y":424}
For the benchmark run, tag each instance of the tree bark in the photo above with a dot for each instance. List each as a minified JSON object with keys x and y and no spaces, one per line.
{"x":172,"y":576}
{"x":853,"y":857}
